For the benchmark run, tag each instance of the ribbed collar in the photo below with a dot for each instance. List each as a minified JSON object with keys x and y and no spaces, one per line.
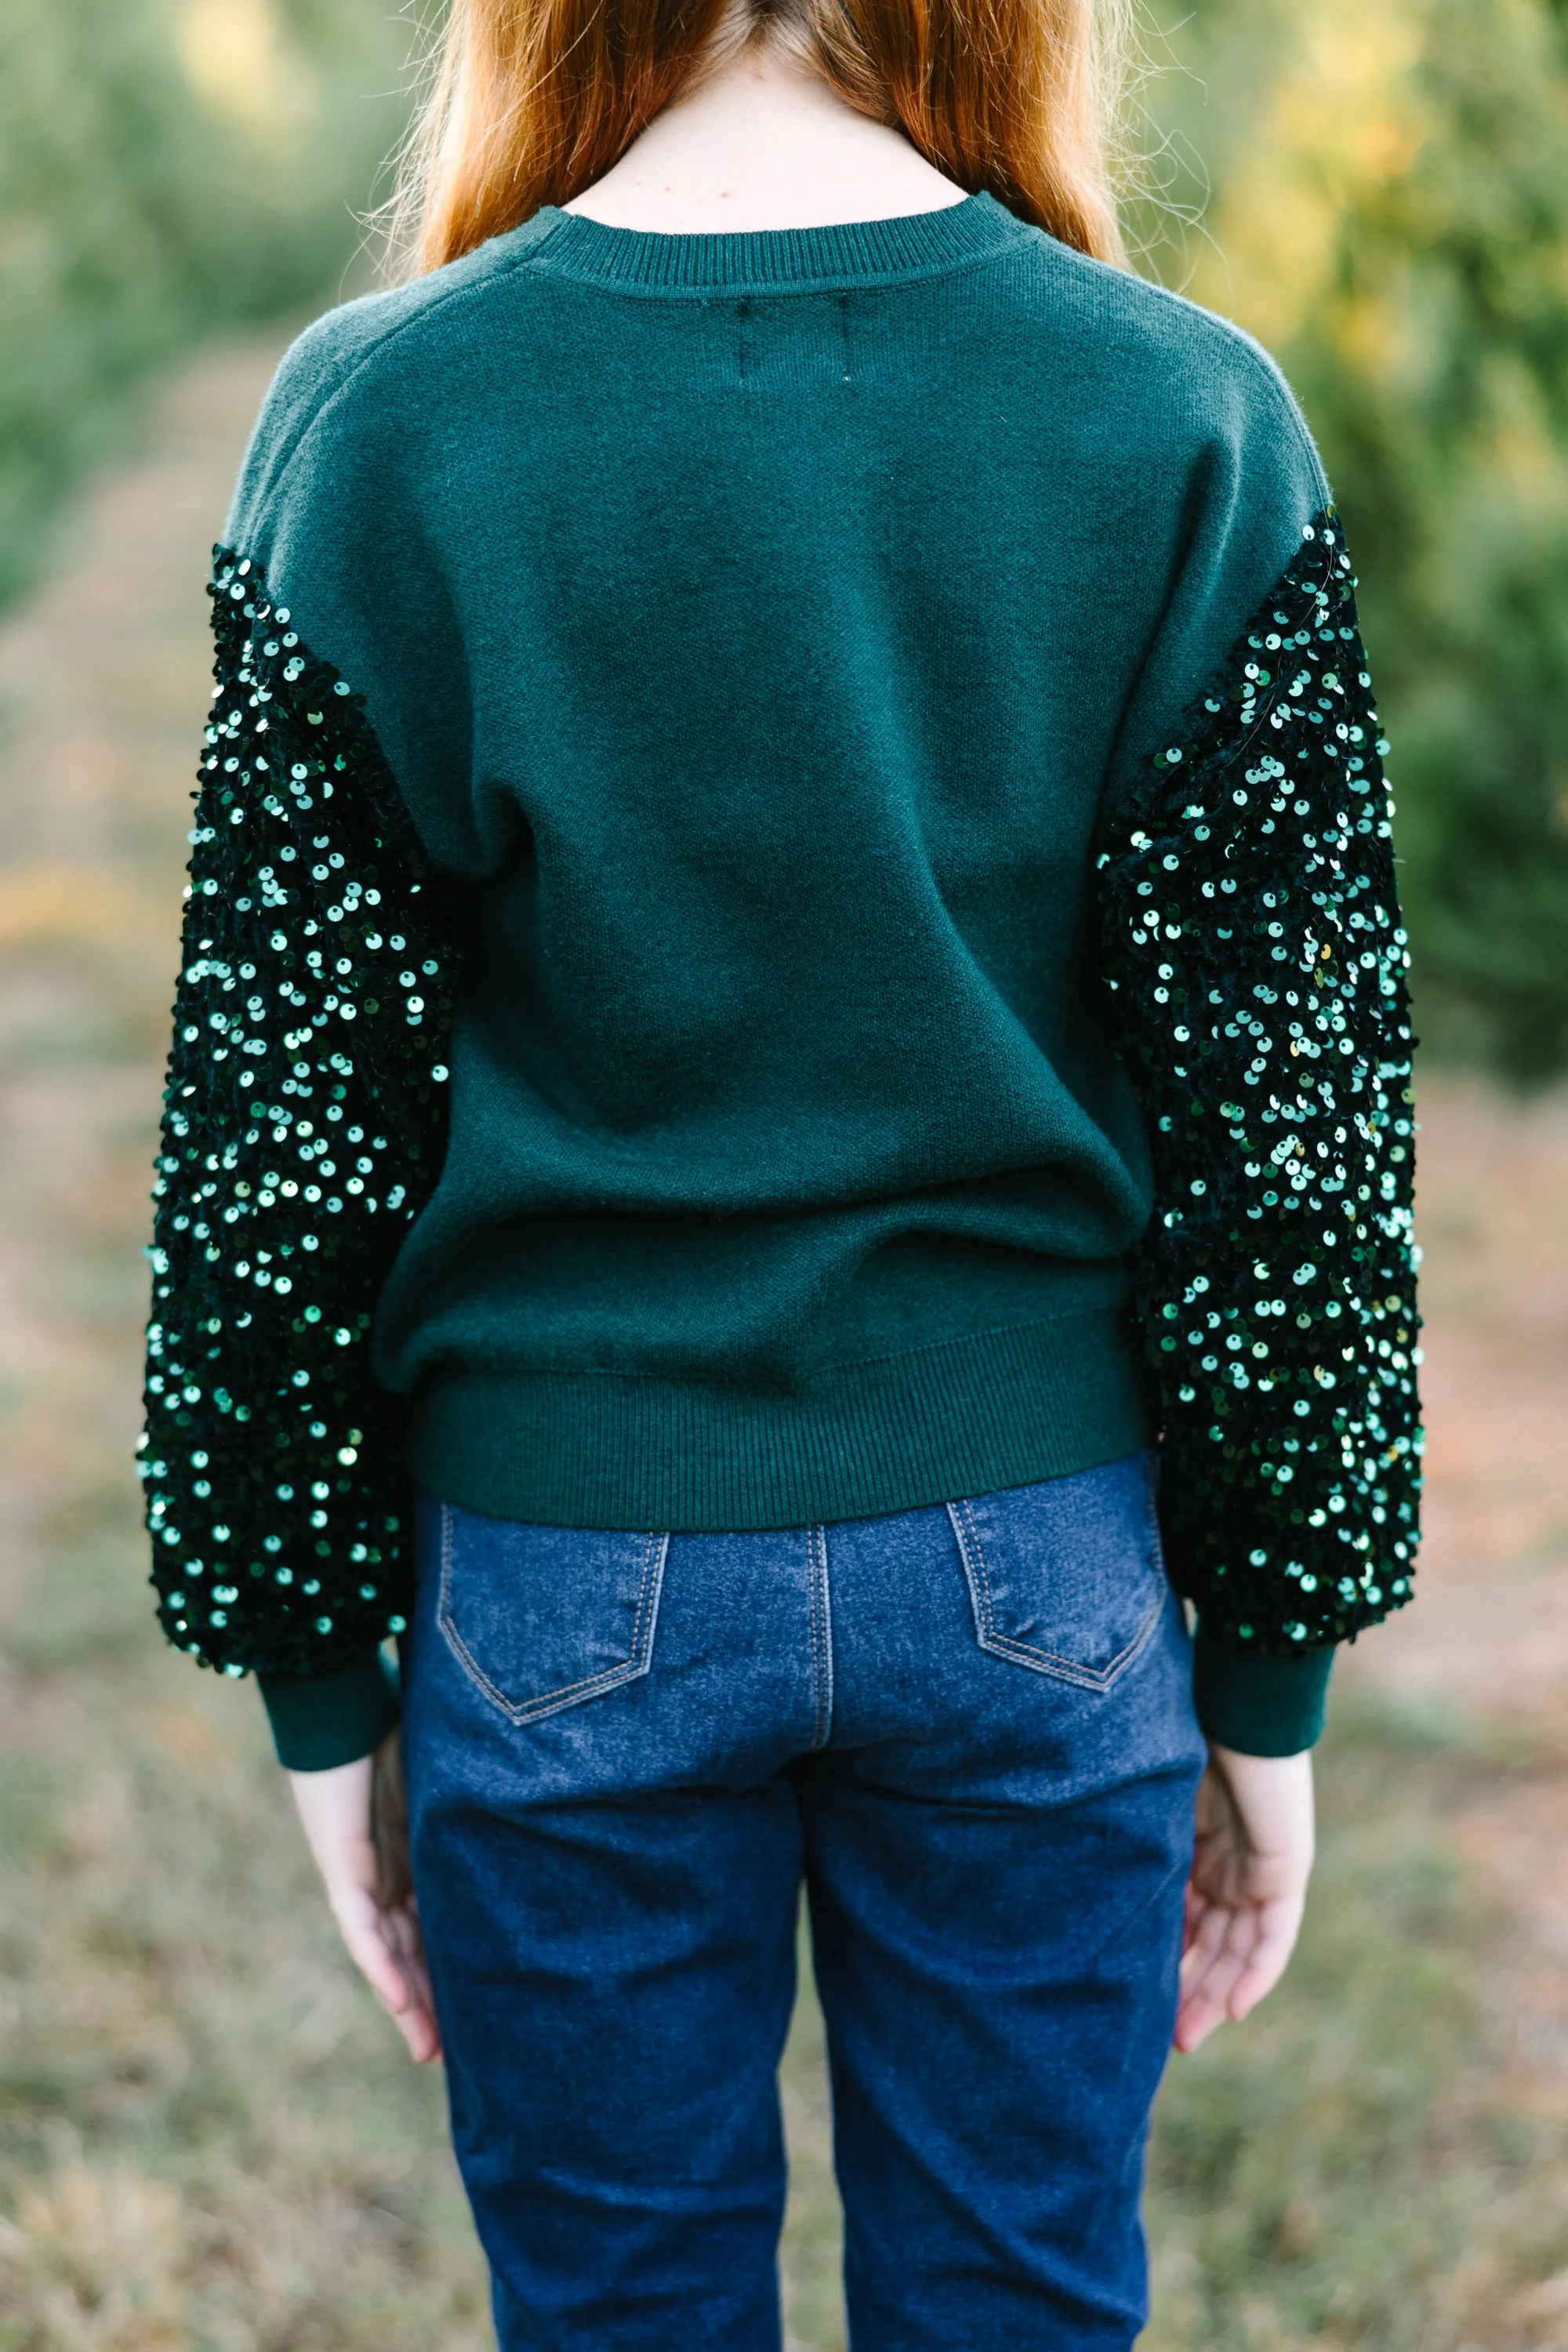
{"x":780,"y":261}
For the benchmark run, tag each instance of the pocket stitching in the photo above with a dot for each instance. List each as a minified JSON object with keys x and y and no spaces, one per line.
{"x":821,"y":1637}
{"x":520,"y":1711}
{"x":971,"y":1552}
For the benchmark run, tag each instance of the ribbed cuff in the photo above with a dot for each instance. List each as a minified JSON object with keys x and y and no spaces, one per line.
{"x":1260,"y":1705}
{"x":320,"y":1721}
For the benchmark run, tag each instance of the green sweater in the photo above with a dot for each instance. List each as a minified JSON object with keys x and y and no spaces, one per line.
{"x":792,"y":916}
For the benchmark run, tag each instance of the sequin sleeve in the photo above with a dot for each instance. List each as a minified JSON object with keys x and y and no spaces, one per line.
{"x":304,"y":1126}
{"x":1252,"y":937}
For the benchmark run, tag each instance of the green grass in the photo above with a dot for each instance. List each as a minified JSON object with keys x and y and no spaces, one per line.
{"x":1327,"y":2173}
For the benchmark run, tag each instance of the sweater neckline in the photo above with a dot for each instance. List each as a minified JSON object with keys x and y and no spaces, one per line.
{"x":781,"y":260}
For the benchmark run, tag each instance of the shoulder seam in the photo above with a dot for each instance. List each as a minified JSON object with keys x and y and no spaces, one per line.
{"x":1264,"y":368}
{"x":1259,"y":362}
{"x":375,"y":350}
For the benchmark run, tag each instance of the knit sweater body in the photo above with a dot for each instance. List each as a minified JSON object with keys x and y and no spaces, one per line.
{"x":765,"y":661}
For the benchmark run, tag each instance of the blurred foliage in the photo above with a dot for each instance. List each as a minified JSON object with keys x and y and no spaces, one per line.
{"x":166,"y":167}
{"x":1382,"y":199}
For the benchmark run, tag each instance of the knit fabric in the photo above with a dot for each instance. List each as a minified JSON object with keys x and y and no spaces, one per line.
{"x":755,"y":655}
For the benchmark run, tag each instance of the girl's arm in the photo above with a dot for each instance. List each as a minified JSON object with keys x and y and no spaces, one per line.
{"x":304,"y":1126}
{"x":1252,"y":936}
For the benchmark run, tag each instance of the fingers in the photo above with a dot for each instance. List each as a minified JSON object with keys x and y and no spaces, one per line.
{"x":1195,"y":2020}
{"x":363,"y":1931}
{"x":1213,"y":1965}
{"x":384,"y":1946}
{"x":1203,"y":1932}
{"x":403,"y":1929}
{"x":1278,"y":1925}
{"x":1252,"y":1859}
{"x":356,"y":1821}
{"x":1234,"y":1955}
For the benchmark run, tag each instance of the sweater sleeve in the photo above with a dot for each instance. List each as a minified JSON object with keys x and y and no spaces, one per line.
{"x":304,"y":1126}
{"x":1252,"y":938}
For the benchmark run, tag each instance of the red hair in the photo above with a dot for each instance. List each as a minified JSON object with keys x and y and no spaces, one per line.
{"x":534,"y":100}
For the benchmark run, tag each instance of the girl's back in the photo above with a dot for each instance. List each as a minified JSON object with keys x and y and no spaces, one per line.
{"x":764,"y":631}
{"x":792,"y":994}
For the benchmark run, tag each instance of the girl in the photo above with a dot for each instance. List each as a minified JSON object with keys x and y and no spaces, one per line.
{"x":791,"y":988}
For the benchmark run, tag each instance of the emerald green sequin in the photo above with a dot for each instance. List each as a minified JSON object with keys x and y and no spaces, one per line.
{"x":304,"y":1126}
{"x":1252,"y":935}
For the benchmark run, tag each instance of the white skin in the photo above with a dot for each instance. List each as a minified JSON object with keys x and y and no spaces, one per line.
{"x":762,"y":143}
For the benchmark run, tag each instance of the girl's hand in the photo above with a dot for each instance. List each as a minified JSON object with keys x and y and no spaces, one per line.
{"x":1248,"y":1887}
{"x":357,"y":1826}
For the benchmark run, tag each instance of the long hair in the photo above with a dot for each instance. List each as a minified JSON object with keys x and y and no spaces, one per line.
{"x":533,"y":100}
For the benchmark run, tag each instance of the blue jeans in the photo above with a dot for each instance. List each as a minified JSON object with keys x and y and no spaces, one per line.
{"x":969,"y":1730}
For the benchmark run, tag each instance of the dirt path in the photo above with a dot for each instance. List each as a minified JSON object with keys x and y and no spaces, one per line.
{"x":1490,"y":1629}
{"x":1487,"y":1636}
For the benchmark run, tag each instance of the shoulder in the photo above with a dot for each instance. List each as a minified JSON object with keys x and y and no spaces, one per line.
{"x":351,"y":368}
{"x":1162,"y":366}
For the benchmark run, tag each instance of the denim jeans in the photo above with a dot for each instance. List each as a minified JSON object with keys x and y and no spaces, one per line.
{"x":969,"y":1730}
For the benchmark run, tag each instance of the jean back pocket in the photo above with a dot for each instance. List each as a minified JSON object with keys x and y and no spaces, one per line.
{"x":545,"y":1618}
{"x":1067,"y":1577}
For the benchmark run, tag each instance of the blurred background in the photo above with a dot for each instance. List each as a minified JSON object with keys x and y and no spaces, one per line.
{"x":208,"y":2141}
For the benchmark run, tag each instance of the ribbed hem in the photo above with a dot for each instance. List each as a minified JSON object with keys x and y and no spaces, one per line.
{"x":1260,"y":1706}
{"x":880,"y":252}
{"x":320,"y":1721}
{"x":997,"y":1409}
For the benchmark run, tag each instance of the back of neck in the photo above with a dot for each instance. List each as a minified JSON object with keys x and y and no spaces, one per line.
{"x":762,"y":143}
